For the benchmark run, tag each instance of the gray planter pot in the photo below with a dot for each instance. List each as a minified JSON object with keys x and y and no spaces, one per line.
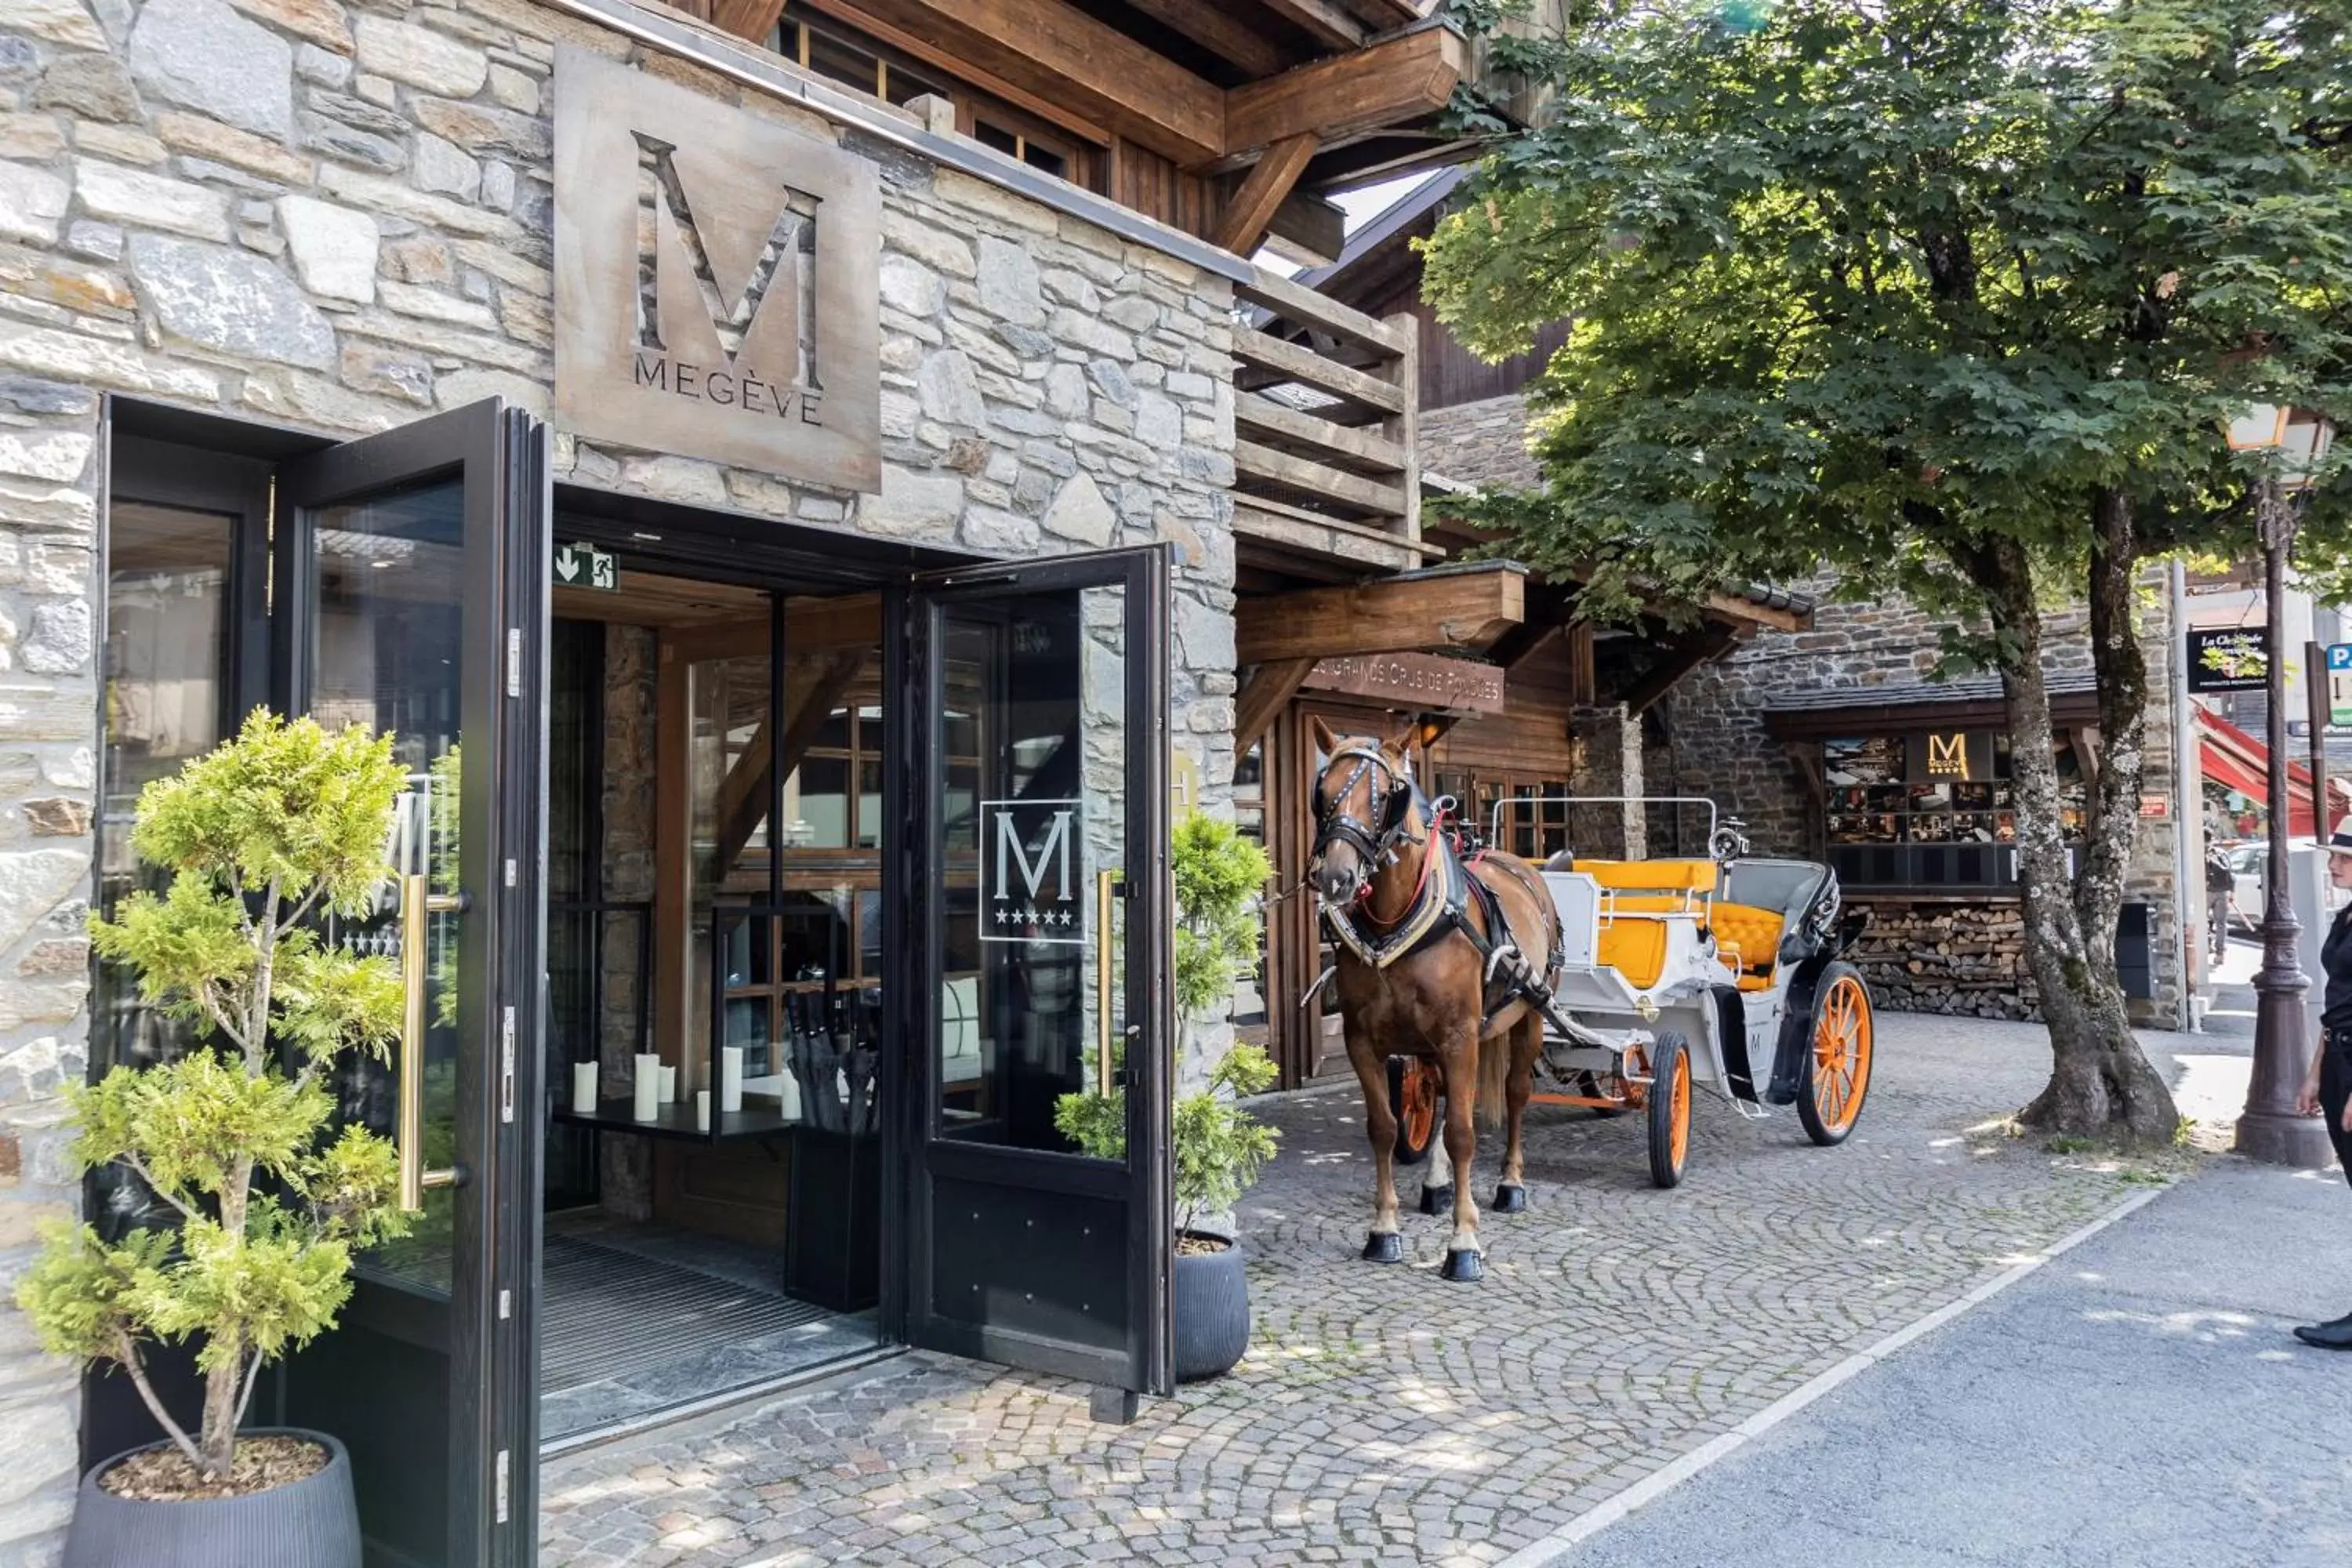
{"x":1211,"y":1312}
{"x":310,"y":1523}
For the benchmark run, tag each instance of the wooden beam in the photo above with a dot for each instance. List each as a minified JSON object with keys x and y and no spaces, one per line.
{"x":743,"y":793}
{"x":753,"y":19}
{"x":1322,"y":480}
{"x":1309,"y":229}
{"x":1375,"y":453}
{"x":853,"y":620}
{"x":1399,"y":78}
{"x":1308,"y":368}
{"x":1062,"y":55}
{"x":1207,"y":24}
{"x":1253,"y":206}
{"x":1448,"y":609}
{"x":1327,"y":23}
{"x":1679,"y":658}
{"x":1296,"y":305}
{"x":1268,"y":690}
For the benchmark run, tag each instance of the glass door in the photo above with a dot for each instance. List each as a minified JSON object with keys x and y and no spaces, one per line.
{"x":412,"y":575}
{"x":1037,"y":850}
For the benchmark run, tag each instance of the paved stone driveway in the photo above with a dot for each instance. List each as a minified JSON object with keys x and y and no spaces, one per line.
{"x":1383,"y":1416}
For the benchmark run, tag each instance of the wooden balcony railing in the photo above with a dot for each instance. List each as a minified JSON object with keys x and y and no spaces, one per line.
{"x":1324,"y":401}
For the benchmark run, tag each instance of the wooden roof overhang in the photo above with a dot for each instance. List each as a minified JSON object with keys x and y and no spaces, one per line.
{"x":1276,"y":100}
{"x":1854,"y":714}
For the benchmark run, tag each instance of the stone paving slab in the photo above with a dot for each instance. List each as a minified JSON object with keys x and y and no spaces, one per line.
{"x":1382,"y":1415}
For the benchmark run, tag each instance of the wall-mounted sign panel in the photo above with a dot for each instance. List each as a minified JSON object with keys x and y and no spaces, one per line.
{"x":2227,"y":659}
{"x":716,"y":280}
{"x":1421,"y":682}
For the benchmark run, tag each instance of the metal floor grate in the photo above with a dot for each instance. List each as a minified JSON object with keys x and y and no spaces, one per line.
{"x":606,"y":1314}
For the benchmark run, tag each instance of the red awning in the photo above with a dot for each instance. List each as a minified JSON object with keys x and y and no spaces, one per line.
{"x":2230,"y":757}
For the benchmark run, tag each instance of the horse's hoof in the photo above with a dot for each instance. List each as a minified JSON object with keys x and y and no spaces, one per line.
{"x":1464,"y":1265}
{"x":1510,"y":1198}
{"x":1384,"y":1246}
{"x":1436,"y":1200}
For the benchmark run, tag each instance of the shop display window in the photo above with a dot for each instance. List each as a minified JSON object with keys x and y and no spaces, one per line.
{"x":1933,"y":808}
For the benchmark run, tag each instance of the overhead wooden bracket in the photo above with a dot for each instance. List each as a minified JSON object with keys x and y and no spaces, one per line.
{"x":1253,"y":206}
{"x":1679,"y":658}
{"x":1447,"y":609}
{"x":1270,"y":687}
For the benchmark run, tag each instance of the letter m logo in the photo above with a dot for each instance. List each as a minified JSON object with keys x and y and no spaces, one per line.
{"x":729,"y":258}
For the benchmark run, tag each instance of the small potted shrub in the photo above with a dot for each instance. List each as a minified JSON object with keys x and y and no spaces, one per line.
{"x":1219,"y":1147}
{"x":275,"y":828}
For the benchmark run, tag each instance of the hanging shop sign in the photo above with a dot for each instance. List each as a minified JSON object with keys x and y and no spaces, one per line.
{"x":1421,"y":682}
{"x":2227,"y":659}
{"x":716,"y":280}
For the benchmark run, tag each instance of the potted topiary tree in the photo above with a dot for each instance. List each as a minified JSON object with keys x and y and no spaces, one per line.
{"x":1219,"y":1147}
{"x":277,"y":827}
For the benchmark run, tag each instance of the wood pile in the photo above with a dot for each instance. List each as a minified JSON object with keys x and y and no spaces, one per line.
{"x":1935,"y":957}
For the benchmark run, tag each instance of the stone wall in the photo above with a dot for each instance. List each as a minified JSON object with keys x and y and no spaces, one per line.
{"x":339,"y":217}
{"x":1935,"y":956}
{"x":1483,"y":443}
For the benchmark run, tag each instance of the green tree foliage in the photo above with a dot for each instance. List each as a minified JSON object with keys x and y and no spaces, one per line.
{"x":1949,"y":296}
{"x":1219,"y":1147}
{"x":280,"y":826}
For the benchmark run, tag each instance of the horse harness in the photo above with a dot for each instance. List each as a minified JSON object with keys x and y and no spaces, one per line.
{"x":1440,"y":904}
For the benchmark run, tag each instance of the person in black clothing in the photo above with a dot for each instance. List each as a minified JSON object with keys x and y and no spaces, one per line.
{"x":2328,"y":1087}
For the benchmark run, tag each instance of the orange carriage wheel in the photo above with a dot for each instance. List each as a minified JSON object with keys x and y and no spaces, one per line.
{"x":1669,"y":1109}
{"x":1837,"y":1064}
{"x":1414,"y":1088}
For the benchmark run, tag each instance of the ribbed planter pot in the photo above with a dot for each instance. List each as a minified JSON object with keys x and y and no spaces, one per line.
{"x":310,"y":1524}
{"x":1211,"y":1312}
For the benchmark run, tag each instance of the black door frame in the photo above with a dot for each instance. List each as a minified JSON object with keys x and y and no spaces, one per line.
{"x":915,"y":662}
{"x":489,"y":1334}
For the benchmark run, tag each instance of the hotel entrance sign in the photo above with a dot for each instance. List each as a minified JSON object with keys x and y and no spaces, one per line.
{"x":716,"y":289}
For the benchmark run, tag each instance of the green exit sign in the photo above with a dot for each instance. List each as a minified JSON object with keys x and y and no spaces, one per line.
{"x":586,"y":566}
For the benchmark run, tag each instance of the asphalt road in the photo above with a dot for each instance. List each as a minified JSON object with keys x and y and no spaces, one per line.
{"x":2137,"y":1400}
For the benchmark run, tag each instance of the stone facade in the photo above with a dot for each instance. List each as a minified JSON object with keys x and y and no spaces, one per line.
{"x":1948,"y":954}
{"x":1483,"y":443}
{"x":339,"y":217}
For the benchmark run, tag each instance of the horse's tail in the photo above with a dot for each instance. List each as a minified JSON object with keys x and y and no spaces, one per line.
{"x":1493,"y":1077}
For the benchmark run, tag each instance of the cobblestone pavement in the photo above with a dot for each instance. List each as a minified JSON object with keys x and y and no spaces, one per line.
{"x":1382,"y":1415}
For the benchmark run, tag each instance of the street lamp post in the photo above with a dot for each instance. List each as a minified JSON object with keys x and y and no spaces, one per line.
{"x":2270,"y":1129}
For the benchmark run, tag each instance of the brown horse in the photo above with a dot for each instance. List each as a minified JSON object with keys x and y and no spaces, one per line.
{"x":1427,"y":968}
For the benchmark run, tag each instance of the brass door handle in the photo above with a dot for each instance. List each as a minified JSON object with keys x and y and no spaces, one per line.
{"x":416,"y":903}
{"x":1104,"y":882}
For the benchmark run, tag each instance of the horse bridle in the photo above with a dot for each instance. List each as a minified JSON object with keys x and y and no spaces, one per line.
{"x":1376,"y":844}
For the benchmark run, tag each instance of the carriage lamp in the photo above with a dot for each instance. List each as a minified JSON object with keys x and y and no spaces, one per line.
{"x":2296,"y":441}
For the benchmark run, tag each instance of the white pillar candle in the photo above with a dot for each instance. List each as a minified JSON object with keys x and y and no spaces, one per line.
{"x":648,"y":1107}
{"x":583,"y":1088}
{"x":668,"y":1084}
{"x":702,"y":1110}
{"x":730,"y":1078}
{"x":788,"y":1094}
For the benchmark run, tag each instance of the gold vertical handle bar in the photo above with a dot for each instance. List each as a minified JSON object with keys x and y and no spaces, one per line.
{"x":408,"y":1133}
{"x":1104,"y":882}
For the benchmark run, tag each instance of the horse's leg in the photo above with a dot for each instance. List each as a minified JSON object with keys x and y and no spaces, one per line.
{"x":1525,"y":1040}
{"x":1383,"y":1244}
{"x":1462,"y":1259}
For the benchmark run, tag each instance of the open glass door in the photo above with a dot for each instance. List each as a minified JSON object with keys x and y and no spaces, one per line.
{"x":412,"y":571}
{"x":1039,"y":938}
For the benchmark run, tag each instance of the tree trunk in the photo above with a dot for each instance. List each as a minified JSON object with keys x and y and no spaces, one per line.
{"x":223,"y":1385}
{"x":2100,"y":1086}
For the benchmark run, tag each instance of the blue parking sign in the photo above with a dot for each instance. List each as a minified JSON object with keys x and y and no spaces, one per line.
{"x":2339,"y":683}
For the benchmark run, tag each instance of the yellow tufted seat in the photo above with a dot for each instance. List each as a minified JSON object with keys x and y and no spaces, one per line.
{"x":1653,"y":876}
{"x":1635,"y":949}
{"x":1750,"y":937}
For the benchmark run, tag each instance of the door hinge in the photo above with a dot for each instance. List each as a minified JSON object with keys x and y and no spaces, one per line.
{"x":514,"y":661}
{"x":510,"y":873}
{"x":505,"y":1305}
{"x":507,"y":1065}
{"x":503,"y":1467}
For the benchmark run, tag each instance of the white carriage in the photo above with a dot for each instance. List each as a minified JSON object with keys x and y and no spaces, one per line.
{"x":1723,"y":973}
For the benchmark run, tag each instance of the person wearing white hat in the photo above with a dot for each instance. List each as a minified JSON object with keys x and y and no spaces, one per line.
{"x":2328,"y":1087}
